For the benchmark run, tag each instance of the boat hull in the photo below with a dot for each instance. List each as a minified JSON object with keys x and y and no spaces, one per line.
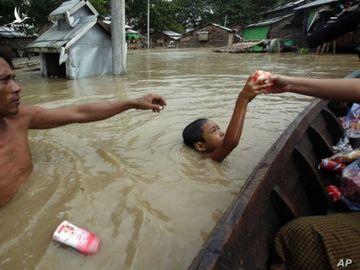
{"x":284,"y":185}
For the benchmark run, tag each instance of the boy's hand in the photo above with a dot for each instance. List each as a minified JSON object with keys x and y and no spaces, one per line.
{"x":254,"y":87}
{"x":152,"y":102}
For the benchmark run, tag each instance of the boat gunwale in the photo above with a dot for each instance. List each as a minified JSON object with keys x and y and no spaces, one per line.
{"x":210,"y":253}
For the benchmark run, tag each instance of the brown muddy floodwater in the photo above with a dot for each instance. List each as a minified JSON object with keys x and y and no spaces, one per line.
{"x":129,"y":179}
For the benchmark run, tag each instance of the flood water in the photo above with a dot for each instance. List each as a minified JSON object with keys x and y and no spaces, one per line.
{"x":151,"y":200}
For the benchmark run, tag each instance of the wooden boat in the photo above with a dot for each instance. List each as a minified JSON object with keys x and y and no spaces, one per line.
{"x":284,"y":185}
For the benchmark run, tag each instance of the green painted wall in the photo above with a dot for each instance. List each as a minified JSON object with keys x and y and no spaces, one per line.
{"x":256,"y":33}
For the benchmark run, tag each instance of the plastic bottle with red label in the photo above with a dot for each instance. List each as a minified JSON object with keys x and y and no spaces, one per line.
{"x":338,"y":199}
{"x":331,"y":166}
{"x":80,"y":239}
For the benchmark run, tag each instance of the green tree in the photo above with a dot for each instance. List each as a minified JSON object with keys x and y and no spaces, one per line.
{"x":192,"y":13}
{"x":176,"y":15}
{"x":39,"y":10}
{"x":241,"y":11}
{"x":162,"y":15}
{"x":135,"y":13}
{"x":102,"y":6}
{"x":7,"y":10}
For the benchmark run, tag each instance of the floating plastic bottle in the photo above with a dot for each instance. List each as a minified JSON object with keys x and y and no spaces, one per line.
{"x":80,"y":239}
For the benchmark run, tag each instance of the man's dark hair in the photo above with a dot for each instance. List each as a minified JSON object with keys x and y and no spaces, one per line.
{"x":193,"y":132}
{"x":6,"y":54}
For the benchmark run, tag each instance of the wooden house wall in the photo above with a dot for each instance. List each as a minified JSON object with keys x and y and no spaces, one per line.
{"x":239,"y":29}
{"x":17,"y":44}
{"x":217,"y":37}
{"x":159,"y":39}
{"x":348,"y":42}
{"x":289,"y":28}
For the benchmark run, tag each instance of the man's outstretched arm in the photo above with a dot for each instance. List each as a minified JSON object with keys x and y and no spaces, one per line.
{"x":42,"y":118}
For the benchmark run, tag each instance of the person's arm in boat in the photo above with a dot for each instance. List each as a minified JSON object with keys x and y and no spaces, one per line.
{"x":331,"y":89}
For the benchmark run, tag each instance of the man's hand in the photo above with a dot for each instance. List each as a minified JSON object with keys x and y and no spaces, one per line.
{"x":152,"y":102}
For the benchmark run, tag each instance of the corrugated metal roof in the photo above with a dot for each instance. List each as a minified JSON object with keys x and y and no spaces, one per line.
{"x":54,"y":38}
{"x":172,"y":34}
{"x":71,"y":6}
{"x":270,"y":21}
{"x":214,"y":24}
{"x":288,"y":5}
{"x":223,"y":27}
{"x":8,"y":32}
{"x":316,"y":3}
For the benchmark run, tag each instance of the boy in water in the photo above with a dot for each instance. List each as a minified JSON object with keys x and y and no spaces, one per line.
{"x":205,"y":136}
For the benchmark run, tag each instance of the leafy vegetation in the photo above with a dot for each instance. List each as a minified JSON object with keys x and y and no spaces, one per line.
{"x":175,"y":15}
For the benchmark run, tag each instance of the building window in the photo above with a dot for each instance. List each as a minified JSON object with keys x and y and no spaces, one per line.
{"x":203,"y":36}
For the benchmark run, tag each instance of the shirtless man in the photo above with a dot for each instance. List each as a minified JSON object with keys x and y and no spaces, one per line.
{"x":15,"y":120}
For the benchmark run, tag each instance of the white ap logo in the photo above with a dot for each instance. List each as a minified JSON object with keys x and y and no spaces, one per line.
{"x":344,"y":263}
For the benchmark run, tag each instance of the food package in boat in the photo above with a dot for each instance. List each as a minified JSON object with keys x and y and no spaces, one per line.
{"x":350,"y":182}
{"x":351,"y":122}
{"x":342,"y":145}
{"x":80,"y":239}
{"x":337,"y":197}
{"x":331,"y":166}
{"x":346,"y":156}
{"x":261,"y":75}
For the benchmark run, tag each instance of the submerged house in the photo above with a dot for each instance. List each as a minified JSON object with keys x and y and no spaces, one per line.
{"x":164,"y":38}
{"x":210,"y":35}
{"x":76,"y":45}
{"x":306,"y":23}
{"x":332,"y":21}
{"x":281,"y":10}
{"x":269,"y":29}
{"x":14,"y":40}
{"x":282,"y":23}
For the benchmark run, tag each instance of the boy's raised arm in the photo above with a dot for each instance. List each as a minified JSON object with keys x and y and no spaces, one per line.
{"x":235,"y":127}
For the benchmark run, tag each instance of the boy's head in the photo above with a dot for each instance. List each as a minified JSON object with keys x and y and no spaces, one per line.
{"x":203,"y":135}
